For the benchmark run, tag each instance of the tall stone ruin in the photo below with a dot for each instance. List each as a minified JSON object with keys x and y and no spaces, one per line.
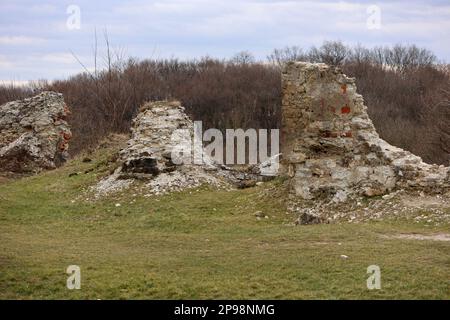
{"x":330,"y":147}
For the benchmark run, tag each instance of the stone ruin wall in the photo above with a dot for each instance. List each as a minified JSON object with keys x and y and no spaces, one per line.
{"x":34,"y":134}
{"x":330,"y":147}
{"x":157,"y":133}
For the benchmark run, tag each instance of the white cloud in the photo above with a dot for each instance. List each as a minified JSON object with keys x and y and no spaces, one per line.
{"x":20,"y":40}
{"x":5,"y":62}
{"x":42,"y":8}
{"x":36,"y":41}
{"x":59,"y":57}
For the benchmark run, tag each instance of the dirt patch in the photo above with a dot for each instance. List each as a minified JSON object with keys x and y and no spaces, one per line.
{"x":416,"y":236}
{"x":3,"y":180}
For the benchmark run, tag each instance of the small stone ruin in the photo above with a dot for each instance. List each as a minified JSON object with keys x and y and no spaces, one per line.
{"x":161,"y":153}
{"x":330,"y":147}
{"x":34,"y":133}
{"x":159,"y":128}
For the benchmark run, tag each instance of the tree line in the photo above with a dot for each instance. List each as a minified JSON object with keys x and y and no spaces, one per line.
{"x":406,"y":89}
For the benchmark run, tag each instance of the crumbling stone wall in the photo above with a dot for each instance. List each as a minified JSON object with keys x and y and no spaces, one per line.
{"x":330,"y":147}
{"x":161,"y":153}
{"x":157,"y":130}
{"x":34,"y":134}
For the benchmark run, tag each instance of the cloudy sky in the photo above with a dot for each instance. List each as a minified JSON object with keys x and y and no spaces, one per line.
{"x":38,"y":38}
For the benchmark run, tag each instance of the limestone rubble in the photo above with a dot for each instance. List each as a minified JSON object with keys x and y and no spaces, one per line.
{"x":34,"y":134}
{"x":330,"y":147}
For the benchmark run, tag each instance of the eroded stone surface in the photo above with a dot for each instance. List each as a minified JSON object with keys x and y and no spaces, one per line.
{"x":163,"y":154}
{"x":34,"y":134}
{"x":330,"y":147}
{"x":160,"y":132}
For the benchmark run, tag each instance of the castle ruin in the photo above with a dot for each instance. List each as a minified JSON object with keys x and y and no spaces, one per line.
{"x":331,"y":148}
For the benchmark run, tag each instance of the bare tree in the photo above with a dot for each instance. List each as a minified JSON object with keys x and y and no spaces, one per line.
{"x":330,"y":52}
{"x":443,"y":124}
{"x":359,"y":54}
{"x":402,"y":58}
{"x":243,"y":57}
{"x":280,"y":56}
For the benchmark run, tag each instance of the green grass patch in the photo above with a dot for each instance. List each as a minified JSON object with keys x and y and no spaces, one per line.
{"x":197,"y":244}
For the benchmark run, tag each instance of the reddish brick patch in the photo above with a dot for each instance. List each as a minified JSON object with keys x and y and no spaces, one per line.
{"x":347,"y":134}
{"x":329,"y":134}
{"x":62,"y":145}
{"x":67,"y":136}
{"x":345,"y":109}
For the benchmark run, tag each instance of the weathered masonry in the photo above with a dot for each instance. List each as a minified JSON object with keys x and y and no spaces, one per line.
{"x":34,"y":134}
{"x":330,"y":146}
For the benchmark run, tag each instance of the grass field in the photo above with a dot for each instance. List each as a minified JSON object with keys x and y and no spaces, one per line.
{"x":198,"y":244}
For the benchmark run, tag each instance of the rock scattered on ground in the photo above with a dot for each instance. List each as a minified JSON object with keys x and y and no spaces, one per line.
{"x":430,"y":209}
